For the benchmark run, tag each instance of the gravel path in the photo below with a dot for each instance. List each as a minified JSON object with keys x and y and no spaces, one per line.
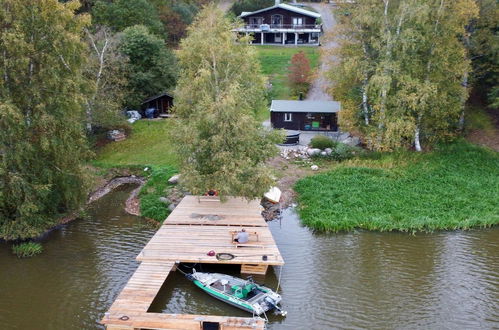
{"x":225,"y":4}
{"x":320,"y":84}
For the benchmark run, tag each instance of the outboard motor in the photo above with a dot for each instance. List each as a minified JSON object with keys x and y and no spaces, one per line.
{"x":277,"y":310}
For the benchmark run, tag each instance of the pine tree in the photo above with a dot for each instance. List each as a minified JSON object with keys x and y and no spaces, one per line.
{"x":42,"y":141}
{"x":220,"y":144}
{"x":151,"y":66}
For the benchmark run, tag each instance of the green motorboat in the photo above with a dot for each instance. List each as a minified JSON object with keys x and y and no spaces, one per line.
{"x":244,"y":294}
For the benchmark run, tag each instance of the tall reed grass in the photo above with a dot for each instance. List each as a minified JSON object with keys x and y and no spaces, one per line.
{"x":454,"y":187}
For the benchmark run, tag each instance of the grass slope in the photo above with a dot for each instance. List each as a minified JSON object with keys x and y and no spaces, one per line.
{"x":149,"y":144}
{"x":454,"y":187}
{"x":275,"y":61}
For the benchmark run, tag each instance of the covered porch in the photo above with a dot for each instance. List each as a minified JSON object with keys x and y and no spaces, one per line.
{"x":285,"y":38}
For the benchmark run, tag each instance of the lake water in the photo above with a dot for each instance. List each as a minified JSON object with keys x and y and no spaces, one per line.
{"x":445,"y":280}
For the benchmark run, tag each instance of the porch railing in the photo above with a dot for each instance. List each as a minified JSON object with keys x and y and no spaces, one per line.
{"x":264,"y":27}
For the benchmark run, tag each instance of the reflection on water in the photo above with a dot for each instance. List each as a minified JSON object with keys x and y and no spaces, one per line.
{"x":82,"y":269}
{"x":355,"y":280}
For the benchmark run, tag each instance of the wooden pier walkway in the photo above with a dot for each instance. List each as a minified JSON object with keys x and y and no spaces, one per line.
{"x":196,"y":226}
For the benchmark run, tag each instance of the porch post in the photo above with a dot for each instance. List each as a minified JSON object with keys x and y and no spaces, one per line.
{"x":250,"y":42}
{"x":283,"y":36}
{"x":309,"y":37}
{"x":261,"y":40}
{"x":296,"y":38}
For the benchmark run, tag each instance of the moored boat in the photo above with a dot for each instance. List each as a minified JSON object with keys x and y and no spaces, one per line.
{"x":244,"y":294}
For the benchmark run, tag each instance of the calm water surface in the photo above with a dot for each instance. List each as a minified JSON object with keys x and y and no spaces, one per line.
{"x":448,"y":280}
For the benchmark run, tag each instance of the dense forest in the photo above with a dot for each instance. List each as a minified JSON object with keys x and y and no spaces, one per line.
{"x":68,"y":70}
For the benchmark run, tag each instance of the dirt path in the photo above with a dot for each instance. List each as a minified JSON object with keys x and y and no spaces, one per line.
{"x":487,"y":138}
{"x":320,"y":83}
{"x":225,"y":4}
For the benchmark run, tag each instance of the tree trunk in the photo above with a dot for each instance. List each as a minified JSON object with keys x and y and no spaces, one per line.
{"x":417,"y":142}
{"x":365,"y":106}
{"x":464,"y":83}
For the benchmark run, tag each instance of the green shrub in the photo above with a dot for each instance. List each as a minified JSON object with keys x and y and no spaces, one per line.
{"x":322,"y":142}
{"x":27,"y":249}
{"x":343,"y":151}
{"x":156,"y":187}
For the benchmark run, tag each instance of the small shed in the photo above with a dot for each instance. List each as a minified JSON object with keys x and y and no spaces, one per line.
{"x":305,"y":115}
{"x":161,"y":103}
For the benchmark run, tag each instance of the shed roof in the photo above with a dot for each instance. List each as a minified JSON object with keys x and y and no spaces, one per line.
{"x":305,"y":106}
{"x":157,"y":97}
{"x":286,"y":7}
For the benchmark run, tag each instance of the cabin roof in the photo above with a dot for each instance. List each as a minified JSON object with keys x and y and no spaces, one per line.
{"x":285,"y":7}
{"x":305,"y":106}
{"x":157,"y":97}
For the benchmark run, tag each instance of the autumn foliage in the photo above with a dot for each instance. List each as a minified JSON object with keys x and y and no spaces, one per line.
{"x":299,"y":73}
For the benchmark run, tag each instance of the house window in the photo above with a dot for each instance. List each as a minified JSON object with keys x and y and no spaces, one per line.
{"x":297,"y":21}
{"x":288,"y":117}
{"x":276,"y":20}
{"x":256,"y":21}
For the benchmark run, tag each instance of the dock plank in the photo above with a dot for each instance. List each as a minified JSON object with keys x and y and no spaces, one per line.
{"x":181,"y":321}
{"x":196,"y":226}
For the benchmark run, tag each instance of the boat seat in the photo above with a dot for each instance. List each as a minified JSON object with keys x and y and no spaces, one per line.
{"x":240,"y":292}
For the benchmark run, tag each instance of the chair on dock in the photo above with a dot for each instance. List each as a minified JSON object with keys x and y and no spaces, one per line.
{"x":249,"y":243}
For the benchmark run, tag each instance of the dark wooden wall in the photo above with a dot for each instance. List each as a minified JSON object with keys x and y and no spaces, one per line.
{"x":286,"y":15}
{"x":298,"y":120}
{"x":162,"y":104}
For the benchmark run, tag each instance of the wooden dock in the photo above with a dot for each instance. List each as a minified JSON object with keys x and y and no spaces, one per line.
{"x":196,"y":226}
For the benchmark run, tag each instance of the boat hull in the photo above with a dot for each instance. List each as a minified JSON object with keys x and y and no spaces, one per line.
{"x":225,"y":299}
{"x":243,"y":294}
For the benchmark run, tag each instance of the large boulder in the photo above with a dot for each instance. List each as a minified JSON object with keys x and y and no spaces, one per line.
{"x":174,"y":179}
{"x":352,"y":141}
{"x":313,"y":151}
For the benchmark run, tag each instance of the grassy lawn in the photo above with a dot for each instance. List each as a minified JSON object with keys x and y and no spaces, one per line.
{"x":454,"y":187}
{"x":149,"y":144}
{"x":275,"y":61}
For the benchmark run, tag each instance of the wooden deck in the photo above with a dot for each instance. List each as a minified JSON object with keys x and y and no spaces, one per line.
{"x":201,"y":224}
{"x":196,"y":226}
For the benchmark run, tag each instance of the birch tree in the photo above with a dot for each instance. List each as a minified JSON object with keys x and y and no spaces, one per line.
{"x":106,"y":73}
{"x":408,"y":66}
{"x":42,"y":140}
{"x":220,"y":144}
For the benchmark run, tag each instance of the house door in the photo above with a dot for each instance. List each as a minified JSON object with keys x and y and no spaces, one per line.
{"x":277,"y":37}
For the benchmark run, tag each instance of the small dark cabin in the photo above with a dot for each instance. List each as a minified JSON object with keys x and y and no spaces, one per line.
{"x":162,"y":103}
{"x":305,"y":115}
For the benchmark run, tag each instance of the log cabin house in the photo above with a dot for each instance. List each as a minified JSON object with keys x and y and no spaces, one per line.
{"x":161,"y":103}
{"x":305,"y":115}
{"x":282,"y":24}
